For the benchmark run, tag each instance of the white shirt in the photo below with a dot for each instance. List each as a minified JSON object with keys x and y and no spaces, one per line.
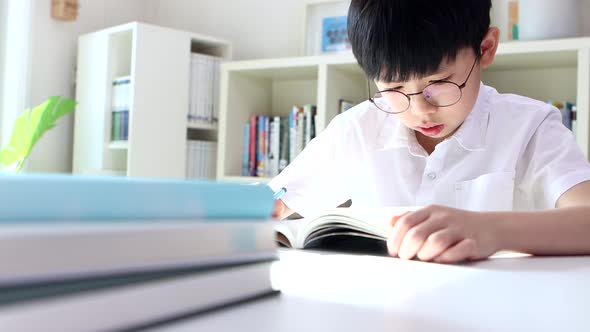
{"x":511,"y":153}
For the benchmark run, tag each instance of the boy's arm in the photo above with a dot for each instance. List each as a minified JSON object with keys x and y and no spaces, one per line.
{"x":561,"y":231}
{"x":449,"y":235}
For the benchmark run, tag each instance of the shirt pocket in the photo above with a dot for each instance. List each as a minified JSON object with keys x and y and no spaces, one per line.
{"x":488,"y":192}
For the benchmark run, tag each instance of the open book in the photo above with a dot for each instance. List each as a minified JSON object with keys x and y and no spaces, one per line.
{"x":346,"y":229}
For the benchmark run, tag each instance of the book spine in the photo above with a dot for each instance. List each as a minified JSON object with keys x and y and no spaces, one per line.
{"x":267,"y":170}
{"x":252,"y":144}
{"x":284,"y":144}
{"x":307,"y":117}
{"x":246,"y":150}
{"x":292,"y":134}
{"x":300,"y":132}
{"x":117,"y":126}
{"x":275,"y":129}
{"x":261,"y":147}
{"x":313,"y":120}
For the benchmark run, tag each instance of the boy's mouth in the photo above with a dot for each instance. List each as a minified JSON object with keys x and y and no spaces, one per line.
{"x":431,"y":130}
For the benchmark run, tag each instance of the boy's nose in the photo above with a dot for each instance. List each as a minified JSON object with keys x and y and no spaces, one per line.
{"x":419,"y":105}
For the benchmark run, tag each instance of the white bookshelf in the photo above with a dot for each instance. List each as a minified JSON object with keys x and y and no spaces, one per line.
{"x":545,"y":70}
{"x":157,"y":60}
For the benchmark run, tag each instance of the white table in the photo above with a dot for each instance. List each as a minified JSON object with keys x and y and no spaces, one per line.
{"x":336,"y":292}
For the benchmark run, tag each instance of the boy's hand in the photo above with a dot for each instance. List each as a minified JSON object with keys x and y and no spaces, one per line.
{"x":280,"y":210}
{"x":442,"y":235}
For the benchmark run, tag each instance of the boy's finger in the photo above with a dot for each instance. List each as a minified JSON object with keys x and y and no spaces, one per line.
{"x":402,"y":226}
{"x":459,"y":252}
{"x":416,"y":238}
{"x":437,"y":243}
{"x":396,"y":218}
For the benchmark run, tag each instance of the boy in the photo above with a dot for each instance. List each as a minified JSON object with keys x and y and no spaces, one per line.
{"x":495,"y":171}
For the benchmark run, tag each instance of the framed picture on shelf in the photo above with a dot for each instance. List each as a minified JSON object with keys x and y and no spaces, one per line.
{"x":325,"y":27}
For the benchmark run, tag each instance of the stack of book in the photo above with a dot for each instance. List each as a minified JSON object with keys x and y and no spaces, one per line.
{"x":95,"y":254}
{"x":204,"y":89}
{"x":120,"y":106}
{"x":271,"y":143}
{"x":201,"y":157}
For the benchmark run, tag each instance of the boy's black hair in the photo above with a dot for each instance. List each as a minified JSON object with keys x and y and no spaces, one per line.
{"x":399,"y":40}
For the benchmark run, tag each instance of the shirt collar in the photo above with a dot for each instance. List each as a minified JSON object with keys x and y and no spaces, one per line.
{"x":471,"y":136}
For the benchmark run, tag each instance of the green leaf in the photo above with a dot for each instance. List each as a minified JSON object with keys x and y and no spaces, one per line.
{"x":30,"y":126}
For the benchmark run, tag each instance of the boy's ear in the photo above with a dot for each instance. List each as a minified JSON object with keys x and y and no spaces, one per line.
{"x":488,"y":46}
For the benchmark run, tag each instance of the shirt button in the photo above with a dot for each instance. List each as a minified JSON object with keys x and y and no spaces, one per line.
{"x":431,"y":176}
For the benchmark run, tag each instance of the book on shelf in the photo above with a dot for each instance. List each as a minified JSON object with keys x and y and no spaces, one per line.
{"x":246,"y":150}
{"x":354,"y":229}
{"x":121,"y":94}
{"x":274,"y":147}
{"x":568,"y":113}
{"x":131,"y":301}
{"x":201,"y":159}
{"x":261,"y":146}
{"x":270,"y":143}
{"x":252,"y":145}
{"x":284,"y":144}
{"x":204,"y":89}
{"x":120,"y":125}
{"x":344,"y":105}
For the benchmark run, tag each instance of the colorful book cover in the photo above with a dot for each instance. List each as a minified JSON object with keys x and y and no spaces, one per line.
{"x":267,"y":170}
{"x":261,"y":148}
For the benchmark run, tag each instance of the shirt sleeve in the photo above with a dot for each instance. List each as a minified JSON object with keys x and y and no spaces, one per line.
{"x":552,"y":163}
{"x":314,"y":180}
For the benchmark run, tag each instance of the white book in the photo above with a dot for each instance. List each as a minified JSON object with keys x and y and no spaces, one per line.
{"x":191,"y":159}
{"x":307,"y":117}
{"x":209,"y":90}
{"x":139,"y":304}
{"x":187,"y":160}
{"x":201,"y":159}
{"x":216,"y":84}
{"x":347,"y":223}
{"x":39,"y":252}
{"x":293,"y":133}
{"x":300,"y":133}
{"x":214,"y":162}
{"x":275,"y":134}
{"x":207,"y":160}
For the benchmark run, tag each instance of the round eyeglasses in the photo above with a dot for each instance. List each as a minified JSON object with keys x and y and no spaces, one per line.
{"x":440,"y":93}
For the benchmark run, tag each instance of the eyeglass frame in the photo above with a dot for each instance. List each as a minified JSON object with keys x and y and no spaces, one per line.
{"x":409,"y":95}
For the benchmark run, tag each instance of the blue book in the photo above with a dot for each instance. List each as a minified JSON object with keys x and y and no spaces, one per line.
{"x":44,"y":197}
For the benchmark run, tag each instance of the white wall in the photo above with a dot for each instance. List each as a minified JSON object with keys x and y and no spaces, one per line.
{"x":3,"y":19}
{"x":53,"y":57}
{"x":256,"y":28}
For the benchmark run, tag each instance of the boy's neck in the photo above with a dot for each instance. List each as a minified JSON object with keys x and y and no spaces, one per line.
{"x":428,"y":143}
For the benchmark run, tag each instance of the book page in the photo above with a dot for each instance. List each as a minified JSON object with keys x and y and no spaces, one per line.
{"x":288,"y":230}
{"x":375,"y":222}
